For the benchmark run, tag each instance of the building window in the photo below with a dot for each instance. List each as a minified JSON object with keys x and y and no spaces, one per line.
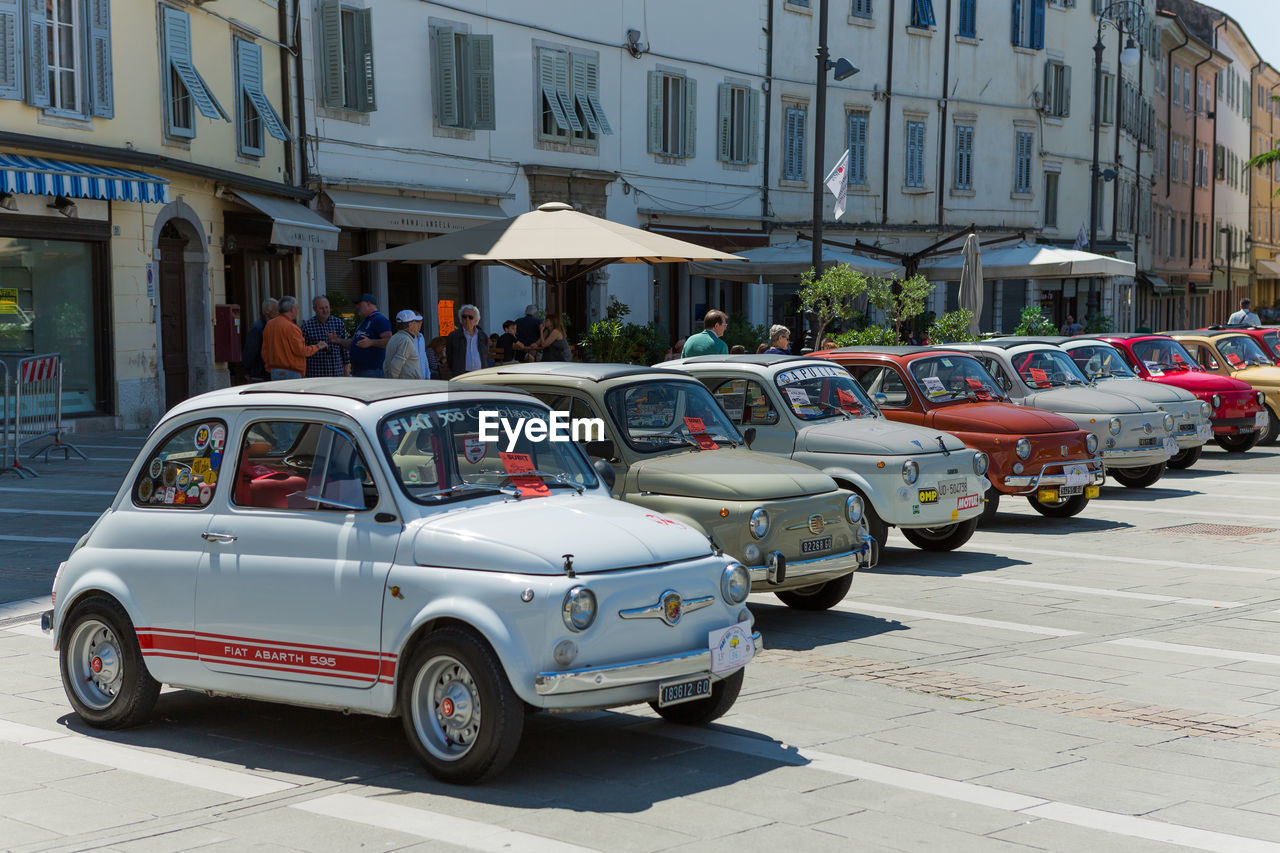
{"x":964,"y":157}
{"x":1186,"y":90}
{"x":569,"y":96}
{"x":1177,"y":86}
{"x":1057,"y":89}
{"x":1186,"y":162}
{"x":914,"y":172}
{"x":184,"y":87}
{"x":861,"y":8}
{"x":1050,"y":199}
{"x":737,"y":124}
{"x":64,"y":46}
{"x":857,"y":143}
{"x":1022,"y":162}
{"x":254,"y":113}
{"x":1028,"y":24}
{"x":462,"y":71}
{"x":793,"y":143}
{"x":346,"y":57}
{"x":672,"y":114}
{"x":968,"y":23}
{"x":1176,"y":149}
{"x":922,"y":13}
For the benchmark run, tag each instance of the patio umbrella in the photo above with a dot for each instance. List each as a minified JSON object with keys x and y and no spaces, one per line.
{"x":785,"y":262}
{"x":1028,"y":260}
{"x":554,"y":243}
{"x":971,"y":281}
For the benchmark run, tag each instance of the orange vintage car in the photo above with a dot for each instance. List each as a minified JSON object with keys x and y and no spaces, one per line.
{"x":1040,"y":455}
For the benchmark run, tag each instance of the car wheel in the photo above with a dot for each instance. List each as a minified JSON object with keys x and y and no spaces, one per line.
{"x":102,"y":668}
{"x":1063,"y":508}
{"x":1237,"y":443}
{"x":990,"y":508}
{"x":820,"y":596}
{"x":702,"y":711}
{"x":1185,"y":458}
{"x":459,"y":712}
{"x":947,"y":538}
{"x":1272,"y":429}
{"x":1137,"y":478}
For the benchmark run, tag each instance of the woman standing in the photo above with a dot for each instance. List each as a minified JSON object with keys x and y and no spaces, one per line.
{"x":553,"y":344}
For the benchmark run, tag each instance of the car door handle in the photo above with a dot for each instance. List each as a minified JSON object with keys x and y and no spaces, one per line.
{"x":217,"y":537}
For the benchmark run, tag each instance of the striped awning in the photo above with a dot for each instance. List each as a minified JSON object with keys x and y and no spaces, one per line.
{"x":41,"y":176}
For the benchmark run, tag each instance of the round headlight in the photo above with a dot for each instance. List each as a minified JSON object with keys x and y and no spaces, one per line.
{"x":1168,"y":422}
{"x":735,"y":583}
{"x":579,"y":608}
{"x":759,"y":523}
{"x":853,"y":509}
{"x":1262,"y":398}
{"x":1205,"y":411}
{"x":910,"y":471}
{"x":1216,"y":400}
{"x":1091,"y":443}
{"x":1113,"y":426}
{"x":1023,"y":448}
{"x":981,"y":462}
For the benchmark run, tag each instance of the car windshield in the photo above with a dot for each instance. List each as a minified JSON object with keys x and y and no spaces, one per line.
{"x":1047,"y":368}
{"x":953,"y":378}
{"x":1272,"y":341}
{"x":663,"y":414}
{"x":1101,"y":361}
{"x":1241,"y":351}
{"x":437,"y":452}
{"x":824,"y":391}
{"x":1162,"y":355}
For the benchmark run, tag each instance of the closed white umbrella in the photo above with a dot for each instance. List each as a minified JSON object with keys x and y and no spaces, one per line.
{"x":971,"y":282}
{"x":1029,"y":260}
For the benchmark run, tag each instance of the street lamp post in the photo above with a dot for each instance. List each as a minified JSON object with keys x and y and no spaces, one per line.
{"x":1227,"y":231}
{"x":1126,"y":16}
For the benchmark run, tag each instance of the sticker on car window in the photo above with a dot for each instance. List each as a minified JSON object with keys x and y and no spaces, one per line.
{"x":798,"y":397}
{"x":200,"y":466}
{"x":202,"y":436}
{"x":157,"y":467}
{"x":473,"y":449}
{"x":218,"y":437}
{"x":933,"y":386}
{"x":698,"y":431}
{"x":517,"y":464}
{"x":1039,"y":376}
{"x":145,"y":489}
{"x":1234,"y":359}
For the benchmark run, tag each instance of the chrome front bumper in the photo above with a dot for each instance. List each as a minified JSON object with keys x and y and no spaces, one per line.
{"x":1031,"y":482}
{"x":46,"y":621}
{"x":627,"y":674}
{"x":1137,"y":457}
{"x":817,"y":570}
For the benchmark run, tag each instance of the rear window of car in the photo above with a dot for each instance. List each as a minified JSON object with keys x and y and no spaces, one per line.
{"x":182,"y":472}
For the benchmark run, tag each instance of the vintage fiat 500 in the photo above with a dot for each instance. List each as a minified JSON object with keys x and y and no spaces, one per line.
{"x":1107,"y":368}
{"x":1234,"y":406}
{"x":923,"y":481}
{"x":1239,"y":355}
{"x":1136,"y":438}
{"x":674,"y":451}
{"x":1268,"y":337}
{"x":356,"y":545}
{"x":1040,"y":455}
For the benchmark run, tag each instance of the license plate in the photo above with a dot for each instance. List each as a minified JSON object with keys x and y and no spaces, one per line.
{"x":953,"y":488}
{"x":1259,"y":420}
{"x":928,"y":496}
{"x":1186,"y":428}
{"x":1077,"y":475}
{"x":1148,"y":442}
{"x":814,"y":546}
{"x":1069,"y":491}
{"x":684,"y":690}
{"x":1246,"y":430}
{"x":1171,"y":446}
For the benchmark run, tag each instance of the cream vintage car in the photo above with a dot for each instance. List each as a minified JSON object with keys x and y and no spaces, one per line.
{"x":675,"y":452}
{"x":925,"y":482}
{"x":354,"y":544}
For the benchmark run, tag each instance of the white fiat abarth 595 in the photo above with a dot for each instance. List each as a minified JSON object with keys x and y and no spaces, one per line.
{"x":355,"y":544}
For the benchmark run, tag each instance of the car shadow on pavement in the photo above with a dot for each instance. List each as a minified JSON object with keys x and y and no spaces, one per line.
{"x":1150,"y":493}
{"x":1192,"y":474}
{"x":801,"y":630}
{"x":1036,"y":525}
{"x":969,"y":560}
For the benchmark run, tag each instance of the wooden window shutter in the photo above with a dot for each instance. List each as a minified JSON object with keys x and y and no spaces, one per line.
{"x":249,"y":65}
{"x":561,"y":67}
{"x":480,"y":48}
{"x":11,"y":66}
{"x":331,"y":53}
{"x":655,"y":112}
{"x":724,"y":122}
{"x":753,"y":126}
{"x":101,"y":83}
{"x":578,"y":71}
{"x":449,"y":111}
{"x":365,"y":91}
{"x":690,"y":117}
{"x":1066,"y":90}
{"x":593,"y":95}
{"x":37,"y":44}
{"x":547,"y":82}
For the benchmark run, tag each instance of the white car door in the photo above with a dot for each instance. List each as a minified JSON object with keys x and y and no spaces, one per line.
{"x":750,"y":406}
{"x":293,"y":582}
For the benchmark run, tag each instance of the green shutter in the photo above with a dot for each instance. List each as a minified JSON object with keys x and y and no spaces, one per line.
{"x":331,"y":53}
{"x":367,"y":101}
{"x":101,"y":85}
{"x":1049,"y":106}
{"x":37,"y":44}
{"x":481,"y":73}
{"x":655,"y":112}
{"x":753,"y":126}
{"x":10,"y":49}
{"x":248,"y":77}
{"x":578,"y":69}
{"x":690,"y":117}
{"x":561,"y":65}
{"x":177,"y":51}
{"x":249,"y":68}
{"x":1066,"y":90}
{"x":724,"y":122}
{"x":547,"y":82}
{"x":593,"y":95}
{"x":448,"y":109}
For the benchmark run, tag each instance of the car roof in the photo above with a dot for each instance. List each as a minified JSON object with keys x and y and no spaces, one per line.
{"x":1239,"y":327}
{"x":573,"y":370}
{"x":363,"y":390}
{"x":1123,"y":336}
{"x":1012,"y":343}
{"x":760,"y":360}
{"x":1197,"y":333}
{"x":882,"y":350}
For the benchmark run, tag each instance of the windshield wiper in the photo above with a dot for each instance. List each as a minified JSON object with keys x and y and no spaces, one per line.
{"x":847,"y":415}
{"x":464,"y":486}
{"x":559,"y":479}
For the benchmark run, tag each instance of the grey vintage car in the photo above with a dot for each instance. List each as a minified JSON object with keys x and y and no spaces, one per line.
{"x":925,"y":482}
{"x":1135,"y":437}
{"x":672,"y":450}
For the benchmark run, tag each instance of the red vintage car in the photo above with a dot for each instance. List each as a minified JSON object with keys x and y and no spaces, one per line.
{"x":1040,"y":455}
{"x":1268,"y":337}
{"x":1159,"y":358}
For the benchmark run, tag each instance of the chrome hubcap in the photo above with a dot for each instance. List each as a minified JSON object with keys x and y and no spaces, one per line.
{"x":94,"y":661}
{"x":446,"y":708}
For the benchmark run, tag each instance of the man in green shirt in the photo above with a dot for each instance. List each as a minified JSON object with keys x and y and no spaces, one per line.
{"x":708,"y":341}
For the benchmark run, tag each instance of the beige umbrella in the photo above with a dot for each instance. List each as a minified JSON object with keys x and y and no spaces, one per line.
{"x":554,"y":243}
{"x":971,"y":282}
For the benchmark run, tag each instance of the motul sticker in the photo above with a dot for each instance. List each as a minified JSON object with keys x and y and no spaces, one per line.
{"x":968,"y":501}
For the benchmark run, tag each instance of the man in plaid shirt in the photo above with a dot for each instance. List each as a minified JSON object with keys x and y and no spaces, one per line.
{"x":334,"y":361}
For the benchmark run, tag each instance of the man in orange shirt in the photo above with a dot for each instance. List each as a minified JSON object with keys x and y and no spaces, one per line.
{"x":283,"y":349}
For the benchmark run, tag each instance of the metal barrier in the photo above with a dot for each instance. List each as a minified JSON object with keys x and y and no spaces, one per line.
{"x":9,"y":463}
{"x":38,"y":408}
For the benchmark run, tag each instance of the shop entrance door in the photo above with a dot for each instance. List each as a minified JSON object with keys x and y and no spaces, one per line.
{"x":173,"y":315}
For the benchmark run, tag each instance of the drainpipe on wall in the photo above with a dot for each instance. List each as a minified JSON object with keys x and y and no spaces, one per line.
{"x":1168,"y":118}
{"x":768,"y":111}
{"x":304,"y":168}
{"x":888,"y":121}
{"x":286,"y":96}
{"x":942,"y":112}
{"x":1195,"y":145}
{"x":1213,"y":182}
{"x":1117,"y":109}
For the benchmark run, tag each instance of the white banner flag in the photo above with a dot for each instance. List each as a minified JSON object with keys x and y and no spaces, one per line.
{"x":1082,"y":239}
{"x":838,"y":183}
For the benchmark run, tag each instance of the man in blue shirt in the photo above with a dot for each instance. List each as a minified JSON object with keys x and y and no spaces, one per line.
{"x":368,"y":345}
{"x":708,"y":341}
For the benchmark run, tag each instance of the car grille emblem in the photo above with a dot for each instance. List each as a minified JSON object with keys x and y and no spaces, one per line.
{"x":1146,"y":428}
{"x":816,"y":523}
{"x":670,"y":607}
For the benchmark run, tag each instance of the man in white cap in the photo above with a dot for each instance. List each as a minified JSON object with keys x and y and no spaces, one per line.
{"x":402,"y":350}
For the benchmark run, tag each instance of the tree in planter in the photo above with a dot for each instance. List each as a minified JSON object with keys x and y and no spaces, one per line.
{"x":606,"y":340}
{"x":830,"y":296}
{"x":739,"y":332}
{"x":1099,"y":324}
{"x":1033,"y":322}
{"x":869,"y":336}
{"x":899,"y":300}
{"x":952,"y":327}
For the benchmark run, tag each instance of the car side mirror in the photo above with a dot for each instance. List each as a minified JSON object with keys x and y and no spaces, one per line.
{"x":880,"y":397}
{"x":606,"y":473}
{"x":602,"y":449}
{"x":749,"y":436}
